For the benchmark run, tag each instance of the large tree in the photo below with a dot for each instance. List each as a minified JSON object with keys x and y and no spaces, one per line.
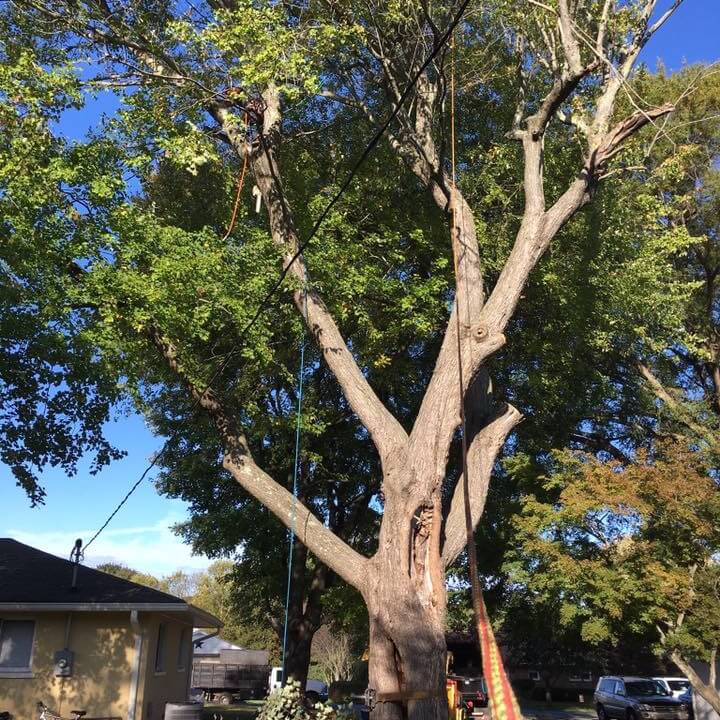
{"x":228,"y":82}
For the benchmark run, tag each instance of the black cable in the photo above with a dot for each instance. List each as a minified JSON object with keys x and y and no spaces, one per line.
{"x":363,"y":157}
{"x":301,"y":248}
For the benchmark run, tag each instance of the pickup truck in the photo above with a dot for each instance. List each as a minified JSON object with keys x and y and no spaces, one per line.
{"x":242,"y":675}
{"x":314,"y":689}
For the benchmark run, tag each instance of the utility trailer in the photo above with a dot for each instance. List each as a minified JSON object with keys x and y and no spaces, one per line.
{"x":237,"y":675}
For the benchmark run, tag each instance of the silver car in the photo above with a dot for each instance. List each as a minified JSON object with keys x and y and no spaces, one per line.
{"x":677,"y":686}
{"x":637,"y":698}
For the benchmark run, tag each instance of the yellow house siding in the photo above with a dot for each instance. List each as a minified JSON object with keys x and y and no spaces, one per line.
{"x":104,"y":647}
{"x":172,"y":683}
{"x":102,"y":643}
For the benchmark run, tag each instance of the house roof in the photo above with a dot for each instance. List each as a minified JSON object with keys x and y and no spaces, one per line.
{"x":211,"y":645}
{"x":33,"y":579}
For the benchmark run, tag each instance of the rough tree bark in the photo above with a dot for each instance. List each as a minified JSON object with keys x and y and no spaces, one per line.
{"x":304,"y":613}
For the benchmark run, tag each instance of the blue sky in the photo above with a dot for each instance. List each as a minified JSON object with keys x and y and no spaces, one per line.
{"x":140,"y":535}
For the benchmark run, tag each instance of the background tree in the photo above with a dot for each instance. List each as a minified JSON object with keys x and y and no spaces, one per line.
{"x":333,"y":654}
{"x":126,"y":573}
{"x":212,"y":590}
{"x":630,"y":548}
{"x":339,"y":474}
{"x":630,"y":381}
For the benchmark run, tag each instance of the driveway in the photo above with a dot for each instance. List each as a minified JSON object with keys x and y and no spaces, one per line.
{"x":241,"y":711}
{"x":559,"y":711}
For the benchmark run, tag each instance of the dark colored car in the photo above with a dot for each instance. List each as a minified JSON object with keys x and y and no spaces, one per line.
{"x":637,"y":698}
{"x":687,"y":697}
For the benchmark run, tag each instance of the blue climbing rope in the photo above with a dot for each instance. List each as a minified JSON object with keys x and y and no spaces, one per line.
{"x":296,"y":474}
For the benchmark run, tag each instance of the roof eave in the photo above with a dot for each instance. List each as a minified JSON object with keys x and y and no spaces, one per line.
{"x":204,"y":619}
{"x":200,"y":618}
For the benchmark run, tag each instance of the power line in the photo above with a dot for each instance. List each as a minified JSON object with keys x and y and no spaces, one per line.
{"x":363,"y":157}
{"x":372,"y":144}
{"x":130,"y":492}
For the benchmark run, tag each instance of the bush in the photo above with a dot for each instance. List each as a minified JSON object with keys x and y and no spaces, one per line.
{"x":289,"y":704}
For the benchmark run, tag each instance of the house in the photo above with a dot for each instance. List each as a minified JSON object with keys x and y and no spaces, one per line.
{"x":77,"y":638}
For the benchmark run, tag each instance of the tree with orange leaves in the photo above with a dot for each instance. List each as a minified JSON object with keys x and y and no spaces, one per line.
{"x":630,"y":547}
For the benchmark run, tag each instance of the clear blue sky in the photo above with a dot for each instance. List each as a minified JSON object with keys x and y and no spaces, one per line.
{"x":140,"y":536}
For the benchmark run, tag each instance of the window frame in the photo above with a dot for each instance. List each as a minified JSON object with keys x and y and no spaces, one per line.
{"x":160,"y":649}
{"x":20,"y":671}
{"x":183,"y":659}
{"x":534,"y":675}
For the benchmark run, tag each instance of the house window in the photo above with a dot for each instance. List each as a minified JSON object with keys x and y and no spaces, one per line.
{"x":581,"y":677}
{"x":534,"y":675}
{"x":16,"y":642}
{"x":160,"y":649}
{"x":183,"y":648}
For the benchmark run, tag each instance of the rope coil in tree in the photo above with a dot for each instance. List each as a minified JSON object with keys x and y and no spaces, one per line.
{"x":241,"y":183}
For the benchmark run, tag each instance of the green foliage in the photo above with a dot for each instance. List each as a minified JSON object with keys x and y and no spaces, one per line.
{"x":110,"y":240}
{"x":56,"y":392}
{"x":626,"y":549}
{"x":288,"y":703}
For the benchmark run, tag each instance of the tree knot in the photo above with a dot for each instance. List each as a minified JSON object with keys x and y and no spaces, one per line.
{"x":479,"y":332}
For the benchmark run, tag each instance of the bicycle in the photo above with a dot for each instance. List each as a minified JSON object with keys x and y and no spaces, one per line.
{"x":45,"y":713}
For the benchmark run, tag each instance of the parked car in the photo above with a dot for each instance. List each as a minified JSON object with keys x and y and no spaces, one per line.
{"x":636,"y":698}
{"x":676,"y":686}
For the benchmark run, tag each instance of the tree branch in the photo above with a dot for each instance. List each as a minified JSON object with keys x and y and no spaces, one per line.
{"x":482,"y":452}
{"x":571,"y":47}
{"x":238,"y":460}
{"x":660,"y":392}
{"x":612,"y":143}
{"x":708,"y":693}
{"x":712,"y":682}
{"x":661,"y":20}
{"x":386,"y":432}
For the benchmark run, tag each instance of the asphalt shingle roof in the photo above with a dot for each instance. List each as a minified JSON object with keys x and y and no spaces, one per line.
{"x":28,"y":575}
{"x":211,"y":645}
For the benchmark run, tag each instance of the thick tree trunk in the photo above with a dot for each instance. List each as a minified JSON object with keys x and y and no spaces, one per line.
{"x":304,"y":613}
{"x":407,"y":659}
{"x":405,"y":596}
{"x":297,"y":659}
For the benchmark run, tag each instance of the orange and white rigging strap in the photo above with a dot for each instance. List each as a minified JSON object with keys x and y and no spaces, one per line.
{"x":503,"y":703}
